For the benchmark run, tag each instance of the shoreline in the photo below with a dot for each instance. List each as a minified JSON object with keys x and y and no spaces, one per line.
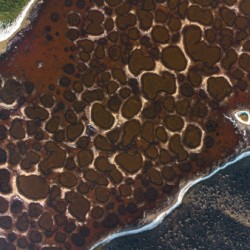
{"x":18,"y":24}
{"x":159,"y":219}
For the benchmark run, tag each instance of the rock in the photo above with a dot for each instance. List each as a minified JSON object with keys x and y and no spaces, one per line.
{"x":79,"y":208}
{"x":32,"y":186}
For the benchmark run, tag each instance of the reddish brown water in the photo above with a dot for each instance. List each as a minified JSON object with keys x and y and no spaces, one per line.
{"x":110,"y":108}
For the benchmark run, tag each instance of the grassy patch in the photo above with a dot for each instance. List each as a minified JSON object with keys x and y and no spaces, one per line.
{"x":10,"y":9}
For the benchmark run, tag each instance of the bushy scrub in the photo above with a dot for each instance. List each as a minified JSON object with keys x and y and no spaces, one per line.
{"x":9,"y":10}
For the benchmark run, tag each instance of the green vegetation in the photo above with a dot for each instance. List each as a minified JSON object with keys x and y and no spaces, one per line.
{"x":9,"y":10}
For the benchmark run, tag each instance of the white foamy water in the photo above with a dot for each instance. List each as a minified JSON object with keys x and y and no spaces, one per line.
{"x":11,"y":29}
{"x":162,"y":215}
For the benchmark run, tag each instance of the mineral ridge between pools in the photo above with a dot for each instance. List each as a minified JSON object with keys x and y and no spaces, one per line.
{"x":107,"y":107}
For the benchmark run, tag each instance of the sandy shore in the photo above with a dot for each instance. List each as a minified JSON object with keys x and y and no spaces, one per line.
{"x":160,"y":217}
{"x":21,"y":21}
